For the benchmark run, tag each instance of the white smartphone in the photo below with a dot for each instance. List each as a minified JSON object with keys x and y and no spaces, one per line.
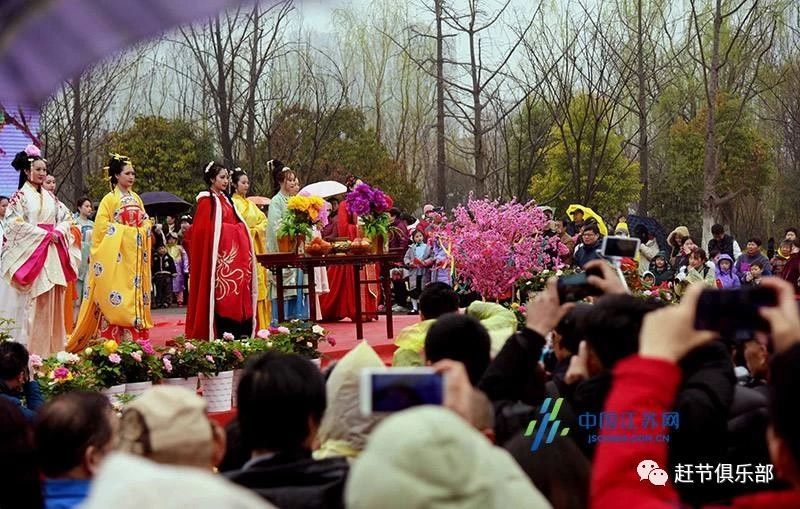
{"x":385,"y":390}
{"x":619,"y":247}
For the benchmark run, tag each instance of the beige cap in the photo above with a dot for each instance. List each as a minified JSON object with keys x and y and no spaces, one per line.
{"x":169,"y":425}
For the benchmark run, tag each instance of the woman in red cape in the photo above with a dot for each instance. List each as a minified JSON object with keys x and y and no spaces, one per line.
{"x":341,"y":301}
{"x":224,"y":285}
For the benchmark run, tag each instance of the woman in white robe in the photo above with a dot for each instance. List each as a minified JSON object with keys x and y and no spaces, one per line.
{"x":40,"y":257}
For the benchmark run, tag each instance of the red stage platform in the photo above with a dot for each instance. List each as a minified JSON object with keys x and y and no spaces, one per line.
{"x":169,"y":323}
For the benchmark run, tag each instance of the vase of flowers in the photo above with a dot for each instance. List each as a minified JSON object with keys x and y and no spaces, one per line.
{"x":303,"y":212}
{"x":371,"y":205}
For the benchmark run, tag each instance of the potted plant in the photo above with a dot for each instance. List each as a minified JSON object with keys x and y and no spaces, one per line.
{"x":65,"y":372}
{"x":301,"y":338}
{"x":181,"y":364}
{"x":140,"y":364}
{"x":217,"y":384}
{"x":107,"y":364}
{"x":372,"y":207}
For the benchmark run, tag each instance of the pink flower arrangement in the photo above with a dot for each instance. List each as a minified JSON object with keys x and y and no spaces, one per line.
{"x":263,"y":334}
{"x":493,"y":245}
{"x":114,"y":358}
{"x":187,"y":345}
{"x":331,"y":341}
{"x":146,"y":347}
{"x":227,"y":336}
{"x":167,"y":364}
{"x":61,"y":373}
{"x":137,"y":356}
{"x":238,"y":355}
{"x":283,"y":330}
{"x":210,"y":359}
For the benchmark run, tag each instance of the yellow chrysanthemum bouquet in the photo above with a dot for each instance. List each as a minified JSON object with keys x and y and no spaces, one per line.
{"x":304,"y":212}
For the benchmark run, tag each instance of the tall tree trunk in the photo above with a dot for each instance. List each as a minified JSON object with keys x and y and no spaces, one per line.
{"x":441,"y":165}
{"x":477,"y":125}
{"x":78,"y":137}
{"x":710,"y":205}
{"x":644,"y":142}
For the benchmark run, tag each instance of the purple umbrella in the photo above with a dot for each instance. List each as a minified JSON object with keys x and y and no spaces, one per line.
{"x":44,"y":42}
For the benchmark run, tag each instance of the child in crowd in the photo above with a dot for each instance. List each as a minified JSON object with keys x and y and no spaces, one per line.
{"x":163,"y":271}
{"x":418,"y":257}
{"x":181,"y":260}
{"x":699,"y":271}
{"x":660,"y":269}
{"x":649,"y":279}
{"x":753,"y":276}
{"x":778,"y":261}
{"x":726,"y":278}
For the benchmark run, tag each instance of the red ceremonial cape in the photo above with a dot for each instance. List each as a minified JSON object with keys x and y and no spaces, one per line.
{"x":203,"y":241}
{"x":341,"y":301}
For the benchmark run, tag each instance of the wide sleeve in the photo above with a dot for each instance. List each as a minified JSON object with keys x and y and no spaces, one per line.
{"x":21,"y":237}
{"x":276,"y":210}
{"x":103,"y":219}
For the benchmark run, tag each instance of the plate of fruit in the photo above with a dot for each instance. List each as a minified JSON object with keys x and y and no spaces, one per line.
{"x":360,"y":246}
{"x":318,"y":247}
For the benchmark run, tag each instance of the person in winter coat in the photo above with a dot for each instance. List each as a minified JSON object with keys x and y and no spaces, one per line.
{"x":588,"y":251}
{"x":648,"y":248}
{"x":752,"y":254}
{"x":723,"y":243}
{"x":661,"y":269}
{"x":681,"y":260}
{"x":648,"y":383}
{"x":699,"y":271}
{"x":778,"y":262}
{"x":726,"y":278}
{"x":419,"y":258}
{"x":675,"y":242}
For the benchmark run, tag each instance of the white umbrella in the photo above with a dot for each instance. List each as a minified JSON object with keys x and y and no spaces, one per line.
{"x":324,"y":189}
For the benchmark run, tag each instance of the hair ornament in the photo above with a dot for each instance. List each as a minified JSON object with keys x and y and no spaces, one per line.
{"x":208,"y":167}
{"x":33,"y":152}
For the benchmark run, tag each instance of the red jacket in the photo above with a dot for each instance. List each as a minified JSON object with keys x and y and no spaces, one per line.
{"x":648,"y":386}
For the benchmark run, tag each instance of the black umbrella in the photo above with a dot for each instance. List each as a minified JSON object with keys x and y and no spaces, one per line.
{"x":162,"y":203}
{"x":652,"y":225}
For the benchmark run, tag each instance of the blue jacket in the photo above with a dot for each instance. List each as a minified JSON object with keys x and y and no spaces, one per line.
{"x":585,"y":254}
{"x":65,"y":493}
{"x":32,"y":394}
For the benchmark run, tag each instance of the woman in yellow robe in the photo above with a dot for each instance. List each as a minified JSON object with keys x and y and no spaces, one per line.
{"x":257,"y":224}
{"x":116,"y":301}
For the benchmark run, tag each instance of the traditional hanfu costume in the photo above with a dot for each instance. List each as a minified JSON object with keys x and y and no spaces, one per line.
{"x":257,"y":225}
{"x":341,"y":301}
{"x":224,"y":289}
{"x":116,"y":296}
{"x":86,"y":226}
{"x":37,"y":268}
{"x":295,"y":304}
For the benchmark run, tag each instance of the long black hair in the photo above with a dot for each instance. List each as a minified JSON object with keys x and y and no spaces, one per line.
{"x":24,"y":160}
{"x":210,"y":172}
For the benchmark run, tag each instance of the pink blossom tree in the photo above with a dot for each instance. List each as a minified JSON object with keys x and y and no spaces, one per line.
{"x":495,"y":244}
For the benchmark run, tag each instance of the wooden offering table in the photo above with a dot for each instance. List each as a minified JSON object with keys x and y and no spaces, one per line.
{"x":277,"y":262}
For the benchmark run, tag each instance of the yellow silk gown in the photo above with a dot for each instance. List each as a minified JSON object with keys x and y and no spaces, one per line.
{"x":116,"y":303}
{"x":257,"y":224}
